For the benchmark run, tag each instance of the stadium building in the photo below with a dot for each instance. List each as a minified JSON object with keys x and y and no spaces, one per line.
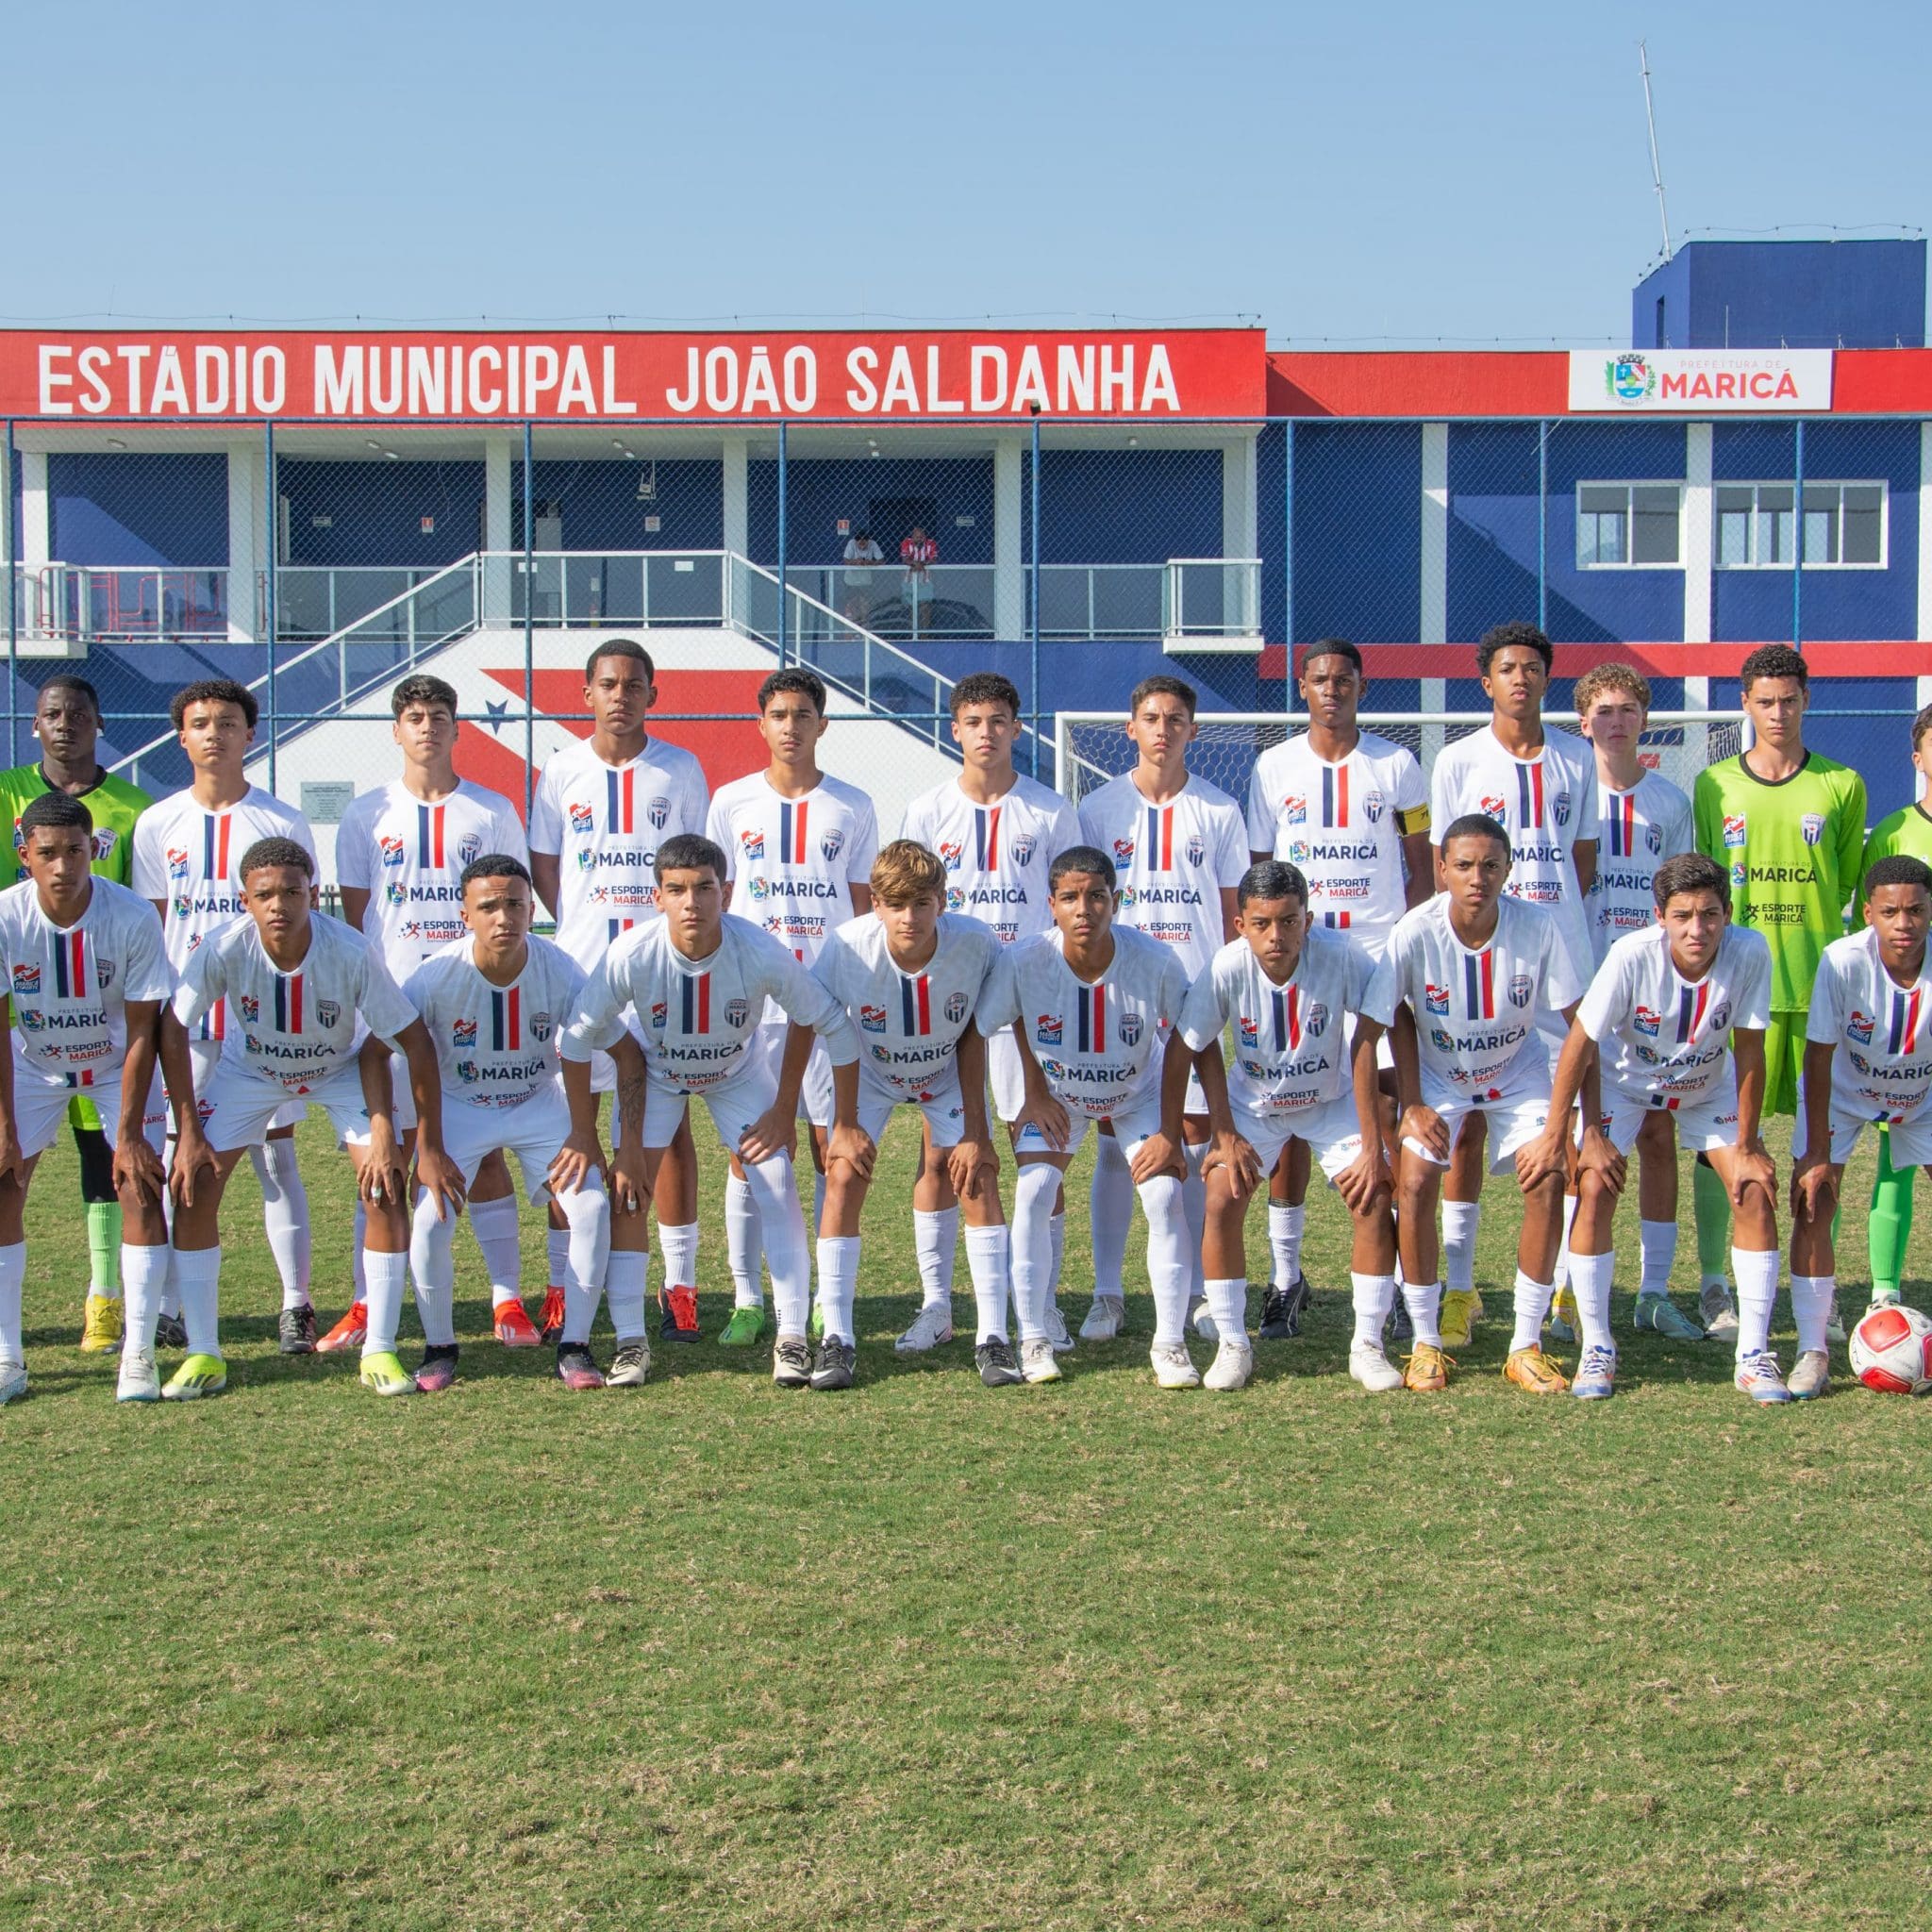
{"x":315,"y":513}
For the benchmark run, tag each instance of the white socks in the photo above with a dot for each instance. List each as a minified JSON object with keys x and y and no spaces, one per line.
{"x":1285,"y":1229}
{"x":1532,"y":1305}
{"x":495,"y":1225}
{"x":988,"y":1261}
{"x":197,"y":1281}
{"x":678,"y":1247}
{"x":744,"y":1247}
{"x":285,"y":1215}
{"x":1811,"y":1304}
{"x":1589,"y":1281}
{"x":1168,"y":1272}
{"x":143,"y":1280}
{"x":935,"y":1239}
{"x":1425,"y":1306}
{"x":1757,"y":1277}
{"x":1375,"y":1295}
{"x":1227,"y":1302}
{"x":1110,"y":1205}
{"x":433,"y":1268}
{"x":1056,"y":1242}
{"x":838,"y":1284}
{"x":1659,"y":1238}
{"x":1461,"y":1220}
{"x":625,"y":1277}
{"x":1195,"y":1209}
{"x":385,"y":1276}
{"x":12,"y":1273}
{"x":556,"y":1254}
{"x":1032,"y":1248}
{"x":787,"y":1257}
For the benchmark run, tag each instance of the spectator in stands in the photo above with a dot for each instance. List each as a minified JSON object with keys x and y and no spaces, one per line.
{"x":861,"y":552}
{"x":918,"y":553}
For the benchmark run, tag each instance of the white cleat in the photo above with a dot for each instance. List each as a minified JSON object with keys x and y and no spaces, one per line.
{"x":12,"y":1379}
{"x":1105,"y":1319}
{"x":1716,"y":1310}
{"x":931,"y":1327}
{"x":1056,"y":1329}
{"x":1233,"y":1363}
{"x":1201,"y":1321}
{"x":1037,"y":1362}
{"x":140,"y":1381}
{"x":1173,"y":1368}
{"x":1372,"y":1369}
{"x":1810,"y":1376}
{"x":1758,"y":1377}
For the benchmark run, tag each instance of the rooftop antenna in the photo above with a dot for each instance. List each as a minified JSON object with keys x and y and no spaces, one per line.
{"x":1657,"y":173}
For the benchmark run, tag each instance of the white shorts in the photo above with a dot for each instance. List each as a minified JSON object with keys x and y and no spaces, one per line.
{"x":237,"y":1109}
{"x":1330,"y":1128}
{"x":1710,"y":1121}
{"x":733,"y":1103}
{"x":1911,"y":1141}
{"x":1138,"y":1118}
{"x":533,"y":1130}
{"x":815,"y":1090}
{"x":939,"y":1106}
{"x":1516,"y":1115}
{"x":1004,"y":1074}
{"x":204,"y":1056}
{"x":39,"y":1105}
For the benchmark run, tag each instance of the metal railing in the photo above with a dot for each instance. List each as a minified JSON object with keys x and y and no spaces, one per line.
{"x":89,"y":604}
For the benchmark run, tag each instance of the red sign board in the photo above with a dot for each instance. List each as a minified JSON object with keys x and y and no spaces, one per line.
{"x":431,"y":377}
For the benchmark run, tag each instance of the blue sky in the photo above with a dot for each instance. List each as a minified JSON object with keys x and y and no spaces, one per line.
{"x":1393,"y":174}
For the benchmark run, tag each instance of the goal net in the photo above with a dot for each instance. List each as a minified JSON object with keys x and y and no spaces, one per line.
{"x":1093,"y":746}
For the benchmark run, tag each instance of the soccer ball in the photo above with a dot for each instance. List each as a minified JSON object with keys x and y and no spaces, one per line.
{"x":1892,"y":1350}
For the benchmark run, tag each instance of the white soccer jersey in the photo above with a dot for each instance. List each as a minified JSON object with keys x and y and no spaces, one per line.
{"x":605,"y":824}
{"x":1291,"y":1038}
{"x":1663,"y":1039}
{"x":293,"y":1028}
{"x":1343,"y":826}
{"x":792,"y":862}
{"x":1546,"y":803}
{"x":1882,"y":1031}
{"x":996,"y":856}
{"x":696,"y":1017}
{"x":1636,"y":831}
{"x":1099,"y":1045}
{"x":495,"y":1045}
{"x":909,"y":1024}
{"x":70,"y":984}
{"x":1475,"y":1007}
{"x":409,"y":856}
{"x":1172,"y":860}
{"x":188,"y":857}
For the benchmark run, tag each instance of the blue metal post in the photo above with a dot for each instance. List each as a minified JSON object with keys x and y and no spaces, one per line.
{"x":271,"y":617}
{"x":1542,"y":525}
{"x":1287,"y":572}
{"x":1798,"y":540}
{"x":529,"y":634}
{"x":781,"y":547}
{"x":12,"y":581}
{"x":1033,"y":617}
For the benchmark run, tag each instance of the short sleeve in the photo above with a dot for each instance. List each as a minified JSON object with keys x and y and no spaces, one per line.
{"x":1825,"y":1016}
{"x":300,"y":830}
{"x":1676,"y":833}
{"x":147,"y":975}
{"x":1411,"y":795}
{"x":1171,"y":987}
{"x":999,"y":997}
{"x":1707,"y":811}
{"x":1260,"y":810}
{"x":1751,"y":1004}
{"x":1442,"y":810}
{"x":916,"y":825}
{"x":546,"y":816}
{"x":697,"y":798}
{"x":380,"y":1000}
{"x":1231,"y":854}
{"x":352,"y":848}
{"x":864,"y":850}
{"x":1203,"y":1015}
{"x":1066,"y":830}
{"x":1589,"y":827}
{"x":150,"y":876}
{"x":1379,"y":996}
{"x":1562,"y":984}
{"x":1606,"y":998}
{"x":202,"y":985}
{"x":718,"y":830}
{"x":597,"y":1023}
{"x":1362,"y":976}
{"x":828,"y":969}
{"x":507,"y":830}
{"x":807,"y":1001}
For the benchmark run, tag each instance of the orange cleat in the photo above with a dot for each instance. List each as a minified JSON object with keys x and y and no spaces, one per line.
{"x":551,"y":1320}
{"x":514,"y":1328}
{"x":350,"y":1332}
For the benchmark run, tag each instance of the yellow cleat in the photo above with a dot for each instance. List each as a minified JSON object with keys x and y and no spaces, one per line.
{"x":1460,"y":1310}
{"x":1531,"y":1369}
{"x":1565,"y":1324}
{"x":100,"y":1326}
{"x":1426,"y":1371}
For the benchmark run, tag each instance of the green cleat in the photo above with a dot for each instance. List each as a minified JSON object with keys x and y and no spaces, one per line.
{"x":198,"y":1375}
{"x":746,"y":1325}
{"x":1660,"y":1315}
{"x":386,"y":1374}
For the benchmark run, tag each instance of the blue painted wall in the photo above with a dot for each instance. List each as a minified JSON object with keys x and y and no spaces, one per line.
{"x":1358,"y":531}
{"x":819,"y":493}
{"x":1789,"y":294}
{"x":602,"y":511}
{"x":1129,"y":505}
{"x":375,"y":512}
{"x":130,"y":510}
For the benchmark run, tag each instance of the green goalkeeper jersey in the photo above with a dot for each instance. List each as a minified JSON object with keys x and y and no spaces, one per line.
{"x":1907,"y":831}
{"x":114,"y":802}
{"x":1792,"y":849}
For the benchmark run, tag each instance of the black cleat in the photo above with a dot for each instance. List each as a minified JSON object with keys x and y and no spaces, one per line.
{"x":999,"y":1367}
{"x":296,"y":1334}
{"x":1282,"y":1310}
{"x":791,"y":1362}
{"x":834,"y":1364}
{"x":171,"y":1331}
{"x":680,"y":1323}
{"x":438,"y":1369}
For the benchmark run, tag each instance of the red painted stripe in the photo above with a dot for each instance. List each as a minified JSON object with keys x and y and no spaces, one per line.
{"x":1098,"y":1044}
{"x":992,"y":838}
{"x":436,"y":835}
{"x":1294,"y":1018}
{"x":223,"y":825}
{"x":798,"y":834}
{"x":1828,"y":657}
{"x":1167,"y":838}
{"x":704,"y":1001}
{"x":295,"y":1004}
{"x":514,"y":1009}
{"x":1488,"y":984}
{"x":1341,"y":795}
{"x":1912,"y":1021}
{"x":625,"y":793}
{"x":925,"y":991}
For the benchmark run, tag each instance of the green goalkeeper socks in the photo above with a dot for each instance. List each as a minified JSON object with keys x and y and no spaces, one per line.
{"x":104,"y":1247}
{"x":1890,"y":1224}
{"x":1711,"y":1202}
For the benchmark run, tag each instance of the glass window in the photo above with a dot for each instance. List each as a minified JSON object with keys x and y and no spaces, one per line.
{"x":1619,"y":525}
{"x":1757,"y":525}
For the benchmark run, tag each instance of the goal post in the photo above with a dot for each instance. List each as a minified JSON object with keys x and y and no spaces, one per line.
{"x":1093,"y":746}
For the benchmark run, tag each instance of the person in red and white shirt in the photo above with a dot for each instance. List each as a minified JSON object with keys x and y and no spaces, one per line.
{"x":186,"y":851}
{"x":798,"y":850}
{"x":918,"y":553}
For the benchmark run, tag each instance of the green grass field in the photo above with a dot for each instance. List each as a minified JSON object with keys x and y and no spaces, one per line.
{"x":925,"y":1655}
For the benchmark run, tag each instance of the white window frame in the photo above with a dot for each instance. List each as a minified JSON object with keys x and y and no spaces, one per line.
{"x":1628,"y":486}
{"x":1840,"y":484}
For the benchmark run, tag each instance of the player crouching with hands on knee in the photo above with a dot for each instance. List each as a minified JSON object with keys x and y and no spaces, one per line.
{"x":698,"y":980}
{"x":1289,"y":991}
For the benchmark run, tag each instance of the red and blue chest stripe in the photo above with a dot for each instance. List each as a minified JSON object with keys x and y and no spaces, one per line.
{"x":71,"y":970}
{"x":290,"y":1002}
{"x":1479,"y":984}
{"x":1619,"y":825}
{"x":915,"y":1005}
{"x":506,"y":1021}
{"x":694,"y":1011}
{"x":1090,"y":1020}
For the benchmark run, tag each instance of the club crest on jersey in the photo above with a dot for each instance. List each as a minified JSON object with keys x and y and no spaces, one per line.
{"x":327,"y":1011}
{"x":177,"y":862}
{"x":1859,"y":1027}
{"x":882,"y":1053}
{"x":761,"y":888}
{"x":658,"y":812}
{"x":736,"y":1013}
{"x":392,"y":850}
{"x":1739,"y":876}
{"x":583,"y":821}
{"x":1249,"y":1033}
{"x":1492,"y":808}
{"x":1128,"y":1028}
{"x":1520,"y":989}
{"x":1299,"y":851}
{"x":1046,"y":1030}
{"x":1734,"y":828}
{"x":395,"y":891}
{"x":1812,"y":826}
{"x":1435,"y":998}
{"x":1441,"y":1040}
{"x":466,"y":1072}
{"x":1295,"y":810}
{"x":1721,"y":1016}
{"x":104,"y":843}
{"x":541,"y":1026}
{"x":1646,"y":1020}
{"x":586,"y":859}
{"x":956,"y":899}
{"x":660,"y":1014}
{"x":1123,"y":851}
{"x":1316,"y":1019}
{"x":1127,"y":896}
{"x":26,"y":978}
{"x":951,"y":852}
{"x":469,"y":848}
{"x":1653,"y":838}
{"x":832,"y":843}
{"x":956,"y":1003}
{"x":1559,"y":805}
{"x":248,"y":1006}
{"x":1860,"y":1063}
{"x":104,"y":971}
{"x":751,"y":843}
{"x":1197,"y":849}
{"x":463,"y":1033}
{"x":1374,"y":806}
{"x":32,"y":1019}
{"x":1021,"y":848}
{"x":872,"y":1019}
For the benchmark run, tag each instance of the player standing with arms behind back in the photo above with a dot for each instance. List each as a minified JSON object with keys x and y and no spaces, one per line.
{"x":1788,"y":825}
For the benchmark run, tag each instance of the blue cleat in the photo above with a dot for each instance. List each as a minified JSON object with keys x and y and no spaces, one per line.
{"x":1596,"y":1375}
